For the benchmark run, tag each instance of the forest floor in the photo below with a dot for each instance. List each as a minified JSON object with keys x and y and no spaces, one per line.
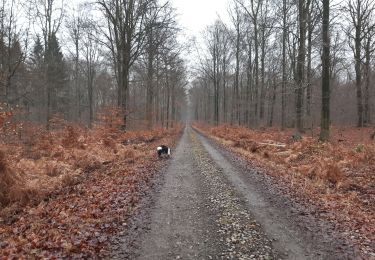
{"x":67,"y":193}
{"x":102,"y":193}
{"x":333,"y":181}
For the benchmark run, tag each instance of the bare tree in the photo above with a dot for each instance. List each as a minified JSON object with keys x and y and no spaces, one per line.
{"x":74,"y":26}
{"x":161,"y":27}
{"x":313,"y":17}
{"x":249,"y":92}
{"x":236,"y":15}
{"x":266,"y":27}
{"x":48,"y":15}
{"x":215,"y":53}
{"x":284,"y":65}
{"x":126,"y":37}
{"x":303,"y":7}
{"x":360,"y":15}
{"x":90,"y":50}
{"x":253,"y":12}
{"x":325,"y":116}
{"x":369,"y":49}
{"x":12,"y":54}
{"x":225,"y":65}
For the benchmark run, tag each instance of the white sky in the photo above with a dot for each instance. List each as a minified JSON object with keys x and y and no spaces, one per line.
{"x":195,"y":15}
{"x":193,"y":18}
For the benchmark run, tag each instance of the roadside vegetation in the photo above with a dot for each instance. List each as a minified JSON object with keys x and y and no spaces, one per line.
{"x":66,"y":190}
{"x":334,"y":179}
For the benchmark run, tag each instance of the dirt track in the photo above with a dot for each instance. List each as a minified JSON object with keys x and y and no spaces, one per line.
{"x":210,"y":205}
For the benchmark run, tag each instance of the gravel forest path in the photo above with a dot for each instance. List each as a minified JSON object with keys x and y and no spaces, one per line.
{"x":209,"y":206}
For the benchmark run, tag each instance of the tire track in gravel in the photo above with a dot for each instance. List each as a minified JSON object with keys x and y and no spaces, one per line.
{"x":293,"y":236}
{"x":206,"y":211}
{"x":197,"y":214}
{"x":181,"y":227}
{"x":284,"y":239}
{"x":241,"y":235}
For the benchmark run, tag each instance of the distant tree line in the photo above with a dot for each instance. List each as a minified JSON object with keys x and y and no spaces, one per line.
{"x":59,"y":59}
{"x":274,"y":63}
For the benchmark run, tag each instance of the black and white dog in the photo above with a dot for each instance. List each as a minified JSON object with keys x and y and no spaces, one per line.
{"x":162,"y":149}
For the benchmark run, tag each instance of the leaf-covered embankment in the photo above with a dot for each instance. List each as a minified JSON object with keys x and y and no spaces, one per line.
{"x":66,"y":192}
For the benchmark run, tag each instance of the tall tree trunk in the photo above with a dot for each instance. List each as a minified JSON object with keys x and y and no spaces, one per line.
{"x":248,"y":88}
{"x":233,"y":103}
{"x":49,"y":112}
{"x":174,"y":104}
{"x":76,"y":80}
{"x":90,"y":82}
{"x":150,"y":90}
{"x":237,"y":74}
{"x":157,"y":94}
{"x":150,"y":78}
{"x":325,"y":117}
{"x":216,"y":79}
{"x":125,"y":94}
{"x":309,"y":59}
{"x":358,"y":76}
{"x":284,"y":76}
{"x":272,"y":105}
{"x":256,"y":68}
{"x":302,"y":7}
{"x":224,"y":89}
{"x":263,"y":89}
{"x":367,"y":74}
{"x":168,"y":98}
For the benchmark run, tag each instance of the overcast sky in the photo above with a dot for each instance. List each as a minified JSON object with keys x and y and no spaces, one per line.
{"x":196,"y":15}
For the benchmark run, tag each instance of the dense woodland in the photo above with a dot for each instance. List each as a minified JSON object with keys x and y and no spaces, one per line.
{"x":261,"y":67}
{"x":70,"y":61}
{"x":265,"y":65}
